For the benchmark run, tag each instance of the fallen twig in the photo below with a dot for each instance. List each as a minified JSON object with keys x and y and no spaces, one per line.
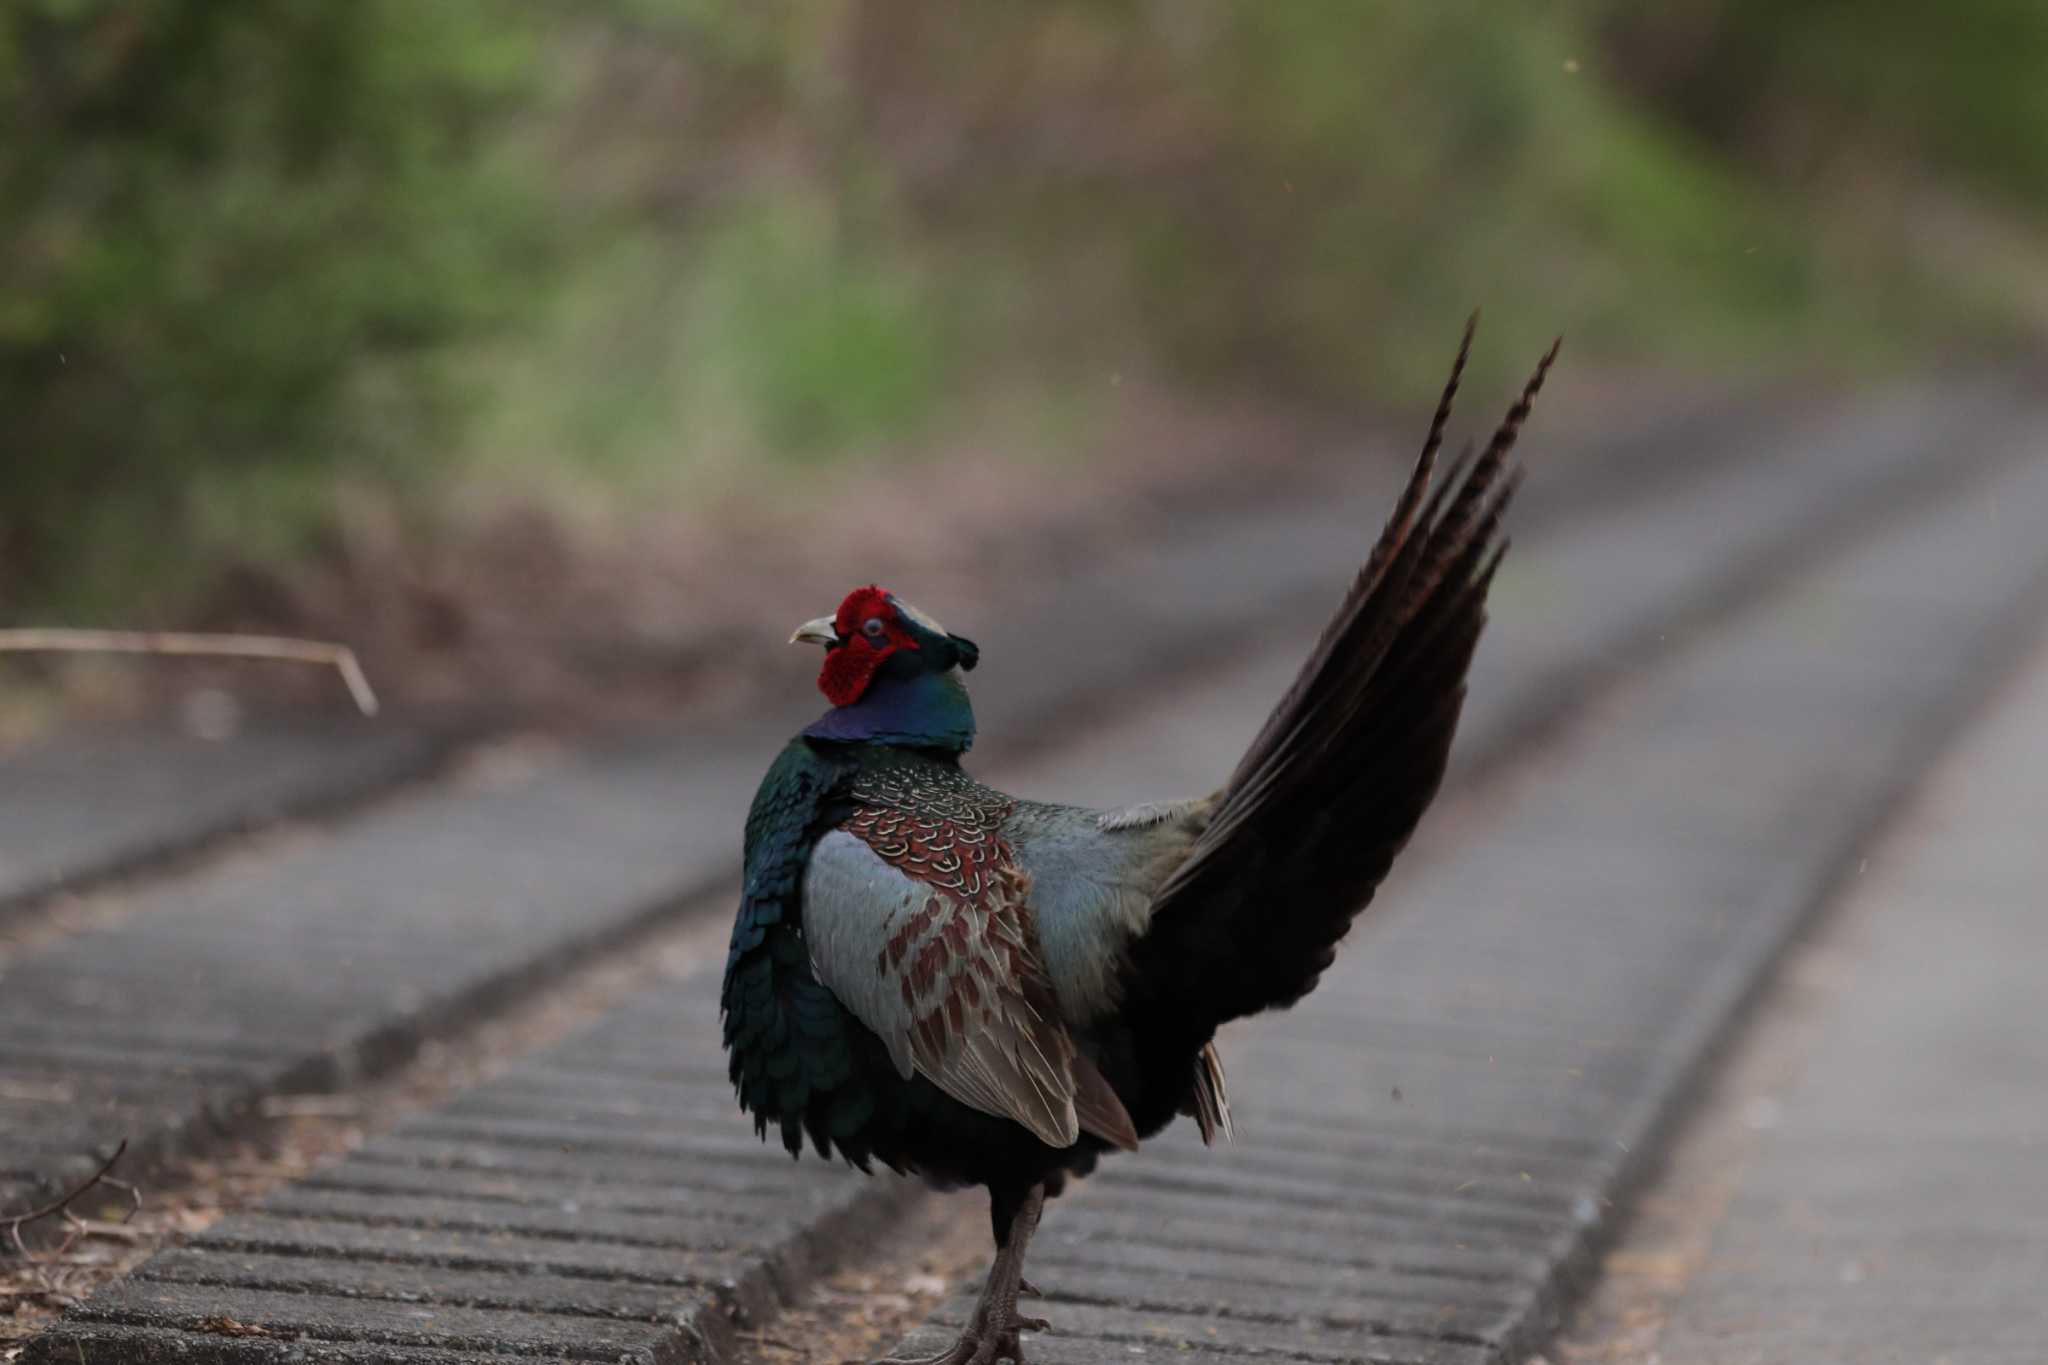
{"x":49,"y":640}
{"x":60,"y":1207}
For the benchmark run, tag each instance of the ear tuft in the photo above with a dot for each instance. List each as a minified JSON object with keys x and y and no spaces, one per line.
{"x":969,"y":652}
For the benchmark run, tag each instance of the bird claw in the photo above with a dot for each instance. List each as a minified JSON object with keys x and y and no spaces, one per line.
{"x":984,"y":1341}
{"x":979,"y":1346}
{"x":1028,"y":1289}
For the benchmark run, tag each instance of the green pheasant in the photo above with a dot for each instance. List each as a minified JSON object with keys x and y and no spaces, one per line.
{"x":982,"y":990}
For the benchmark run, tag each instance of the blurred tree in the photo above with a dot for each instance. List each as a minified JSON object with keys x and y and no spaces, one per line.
{"x":248,"y":248}
{"x":221,"y":223}
{"x":1796,"y":86}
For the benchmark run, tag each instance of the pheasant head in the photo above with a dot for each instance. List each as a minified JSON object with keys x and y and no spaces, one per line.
{"x":891,"y":672}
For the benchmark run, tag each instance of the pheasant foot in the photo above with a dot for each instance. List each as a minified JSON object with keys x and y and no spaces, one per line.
{"x":993,"y":1329}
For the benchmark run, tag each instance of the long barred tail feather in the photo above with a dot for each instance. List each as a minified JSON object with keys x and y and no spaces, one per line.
{"x":1341,"y":772}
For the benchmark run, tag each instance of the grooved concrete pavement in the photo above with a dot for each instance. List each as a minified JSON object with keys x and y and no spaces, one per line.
{"x":1892,"y":1205}
{"x":1543,"y":981}
{"x":332,"y":957}
{"x":86,"y":807}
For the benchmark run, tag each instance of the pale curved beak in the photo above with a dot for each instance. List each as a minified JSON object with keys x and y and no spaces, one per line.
{"x":818,"y":632}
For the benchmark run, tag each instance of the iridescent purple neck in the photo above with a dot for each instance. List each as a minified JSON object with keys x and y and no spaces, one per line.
{"x":922,"y":710}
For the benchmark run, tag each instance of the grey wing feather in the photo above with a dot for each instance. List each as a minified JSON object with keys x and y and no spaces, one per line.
{"x":853,"y":901}
{"x":1094,"y":874}
{"x":985,"y":1033}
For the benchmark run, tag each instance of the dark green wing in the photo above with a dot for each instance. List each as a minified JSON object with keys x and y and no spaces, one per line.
{"x":794,"y":1050}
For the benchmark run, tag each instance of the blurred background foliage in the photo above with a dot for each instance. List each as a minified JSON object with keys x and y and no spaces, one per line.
{"x":260,"y":259}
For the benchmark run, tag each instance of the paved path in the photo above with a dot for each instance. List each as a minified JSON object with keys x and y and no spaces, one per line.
{"x":1870,"y":1185}
{"x":1814,"y":608}
{"x":86,"y":808}
{"x":333,"y":956}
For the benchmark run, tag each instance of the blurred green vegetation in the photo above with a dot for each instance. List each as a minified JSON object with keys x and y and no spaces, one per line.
{"x":255,"y":255}
{"x":235,"y":239}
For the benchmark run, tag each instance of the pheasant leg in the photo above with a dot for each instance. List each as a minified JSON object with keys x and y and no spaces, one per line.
{"x":993,"y":1328}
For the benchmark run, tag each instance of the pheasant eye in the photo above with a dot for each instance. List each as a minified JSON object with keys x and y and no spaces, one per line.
{"x":872,"y":627}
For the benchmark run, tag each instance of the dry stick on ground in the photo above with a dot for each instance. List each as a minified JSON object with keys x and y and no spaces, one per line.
{"x":75,"y":1227}
{"x":59,"y":640}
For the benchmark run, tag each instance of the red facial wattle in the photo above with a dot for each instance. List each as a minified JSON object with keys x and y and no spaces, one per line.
{"x":850,"y":665}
